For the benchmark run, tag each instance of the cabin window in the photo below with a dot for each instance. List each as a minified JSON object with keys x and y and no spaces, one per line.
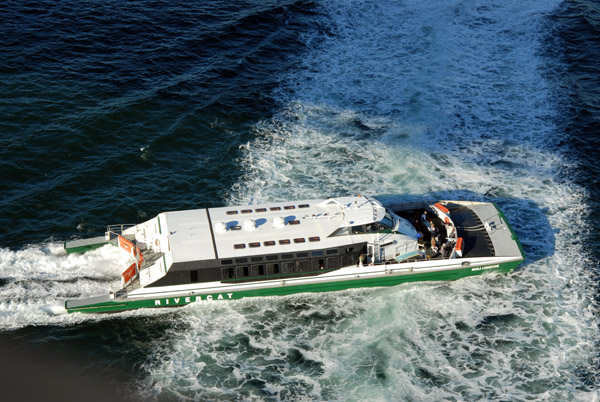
{"x":258,"y":270}
{"x":272,"y":269}
{"x":360,"y":229}
{"x":333,"y":262}
{"x":236,"y":227}
{"x":243,"y":272}
{"x":318,"y":264}
{"x":254,"y":244}
{"x":347,"y":260}
{"x":246,"y":211}
{"x":314,"y":238}
{"x":303,"y":206}
{"x":387,"y":222}
{"x":275,"y":208}
{"x":288,"y":207}
{"x":332,"y":251}
{"x":269,"y":243}
{"x":301,"y":255}
{"x":317,"y":253}
{"x":341,"y":232}
{"x":303,"y":266}
{"x":239,"y":246}
{"x":300,"y":240}
{"x":272,"y":258}
{"x":379,"y":227}
{"x":226,"y":262}
{"x":256,"y":259}
{"x":193,"y":276}
{"x":260,"y":210}
{"x":284,"y":241}
{"x":232,"y":212}
{"x":241,"y":260}
{"x":227,"y":273}
{"x":287,"y":267}
{"x":294,"y":222}
{"x":287,"y":256}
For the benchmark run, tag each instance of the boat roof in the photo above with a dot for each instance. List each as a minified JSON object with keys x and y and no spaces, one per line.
{"x":277,"y":227}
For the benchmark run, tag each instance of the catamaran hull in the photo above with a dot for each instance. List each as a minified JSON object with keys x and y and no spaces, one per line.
{"x":393,"y":276}
{"x":330,"y":241}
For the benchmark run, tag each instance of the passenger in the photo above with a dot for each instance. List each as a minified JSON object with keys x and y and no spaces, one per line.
{"x":424,"y":220}
{"x":358,"y":229}
{"x":427,"y":225}
{"x":435,"y":241}
{"x":361,"y":260}
{"x":445,"y":247}
{"x":432,"y":229}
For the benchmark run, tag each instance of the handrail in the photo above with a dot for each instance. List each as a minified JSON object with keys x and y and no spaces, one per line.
{"x":118,"y":229}
{"x":402,"y":249}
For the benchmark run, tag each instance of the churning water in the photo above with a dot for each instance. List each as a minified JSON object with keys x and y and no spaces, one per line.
{"x":132,"y":110}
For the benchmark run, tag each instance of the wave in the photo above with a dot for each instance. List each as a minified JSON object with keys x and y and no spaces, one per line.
{"x":37,"y":279}
{"x":429,"y":99}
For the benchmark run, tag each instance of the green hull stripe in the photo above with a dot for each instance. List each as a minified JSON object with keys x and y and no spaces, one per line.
{"x":83,"y":249}
{"x":388,"y":280}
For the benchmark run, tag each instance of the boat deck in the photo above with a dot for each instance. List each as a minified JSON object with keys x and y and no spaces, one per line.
{"x":83,"y":245}
{"x":477,"y":242}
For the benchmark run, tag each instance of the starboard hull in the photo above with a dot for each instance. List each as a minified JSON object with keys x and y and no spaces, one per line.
{"x":175,"y":298}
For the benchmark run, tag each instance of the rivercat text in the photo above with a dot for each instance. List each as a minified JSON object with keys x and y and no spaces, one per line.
{"x":173,"y":301}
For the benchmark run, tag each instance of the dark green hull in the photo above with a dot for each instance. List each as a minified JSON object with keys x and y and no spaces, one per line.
{"x":85,"y":245}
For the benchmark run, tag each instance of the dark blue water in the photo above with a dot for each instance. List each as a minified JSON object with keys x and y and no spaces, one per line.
{"x":111,"y":112}
{"x":117,"y":110}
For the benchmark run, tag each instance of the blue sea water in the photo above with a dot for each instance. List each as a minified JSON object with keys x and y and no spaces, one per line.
{"x":111,"y":112}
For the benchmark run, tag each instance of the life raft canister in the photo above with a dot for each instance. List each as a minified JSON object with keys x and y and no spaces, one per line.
{"x":459,"y":247}
{"x":459,"y":243}
{"x":442,"y":208}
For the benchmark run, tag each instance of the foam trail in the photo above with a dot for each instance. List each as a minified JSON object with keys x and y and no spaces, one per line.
{"x":411,"y":98}
{"x":39,"y":278}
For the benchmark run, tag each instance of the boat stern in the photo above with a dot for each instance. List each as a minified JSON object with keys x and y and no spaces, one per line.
{"x":486,"y":231}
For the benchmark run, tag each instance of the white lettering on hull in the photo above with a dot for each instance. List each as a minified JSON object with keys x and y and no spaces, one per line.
{"x":189,"y":299}
{"x":486,"y":267}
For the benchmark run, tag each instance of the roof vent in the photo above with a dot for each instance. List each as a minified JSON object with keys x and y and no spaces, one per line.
{"x":249,"y":225}
{"x":220,"y":227}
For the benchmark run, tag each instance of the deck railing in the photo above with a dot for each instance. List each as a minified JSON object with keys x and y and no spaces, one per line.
{"x":118,"y":229}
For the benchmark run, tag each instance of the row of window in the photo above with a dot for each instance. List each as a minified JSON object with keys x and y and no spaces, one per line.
{"x":284,"y":256}
{"x":270,"y":267}
{"x":286,"y":268}
{"x":249,"y":211}
{"x":268,"y":243}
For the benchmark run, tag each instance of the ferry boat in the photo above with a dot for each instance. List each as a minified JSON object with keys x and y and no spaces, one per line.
{"x":281,"y":248}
